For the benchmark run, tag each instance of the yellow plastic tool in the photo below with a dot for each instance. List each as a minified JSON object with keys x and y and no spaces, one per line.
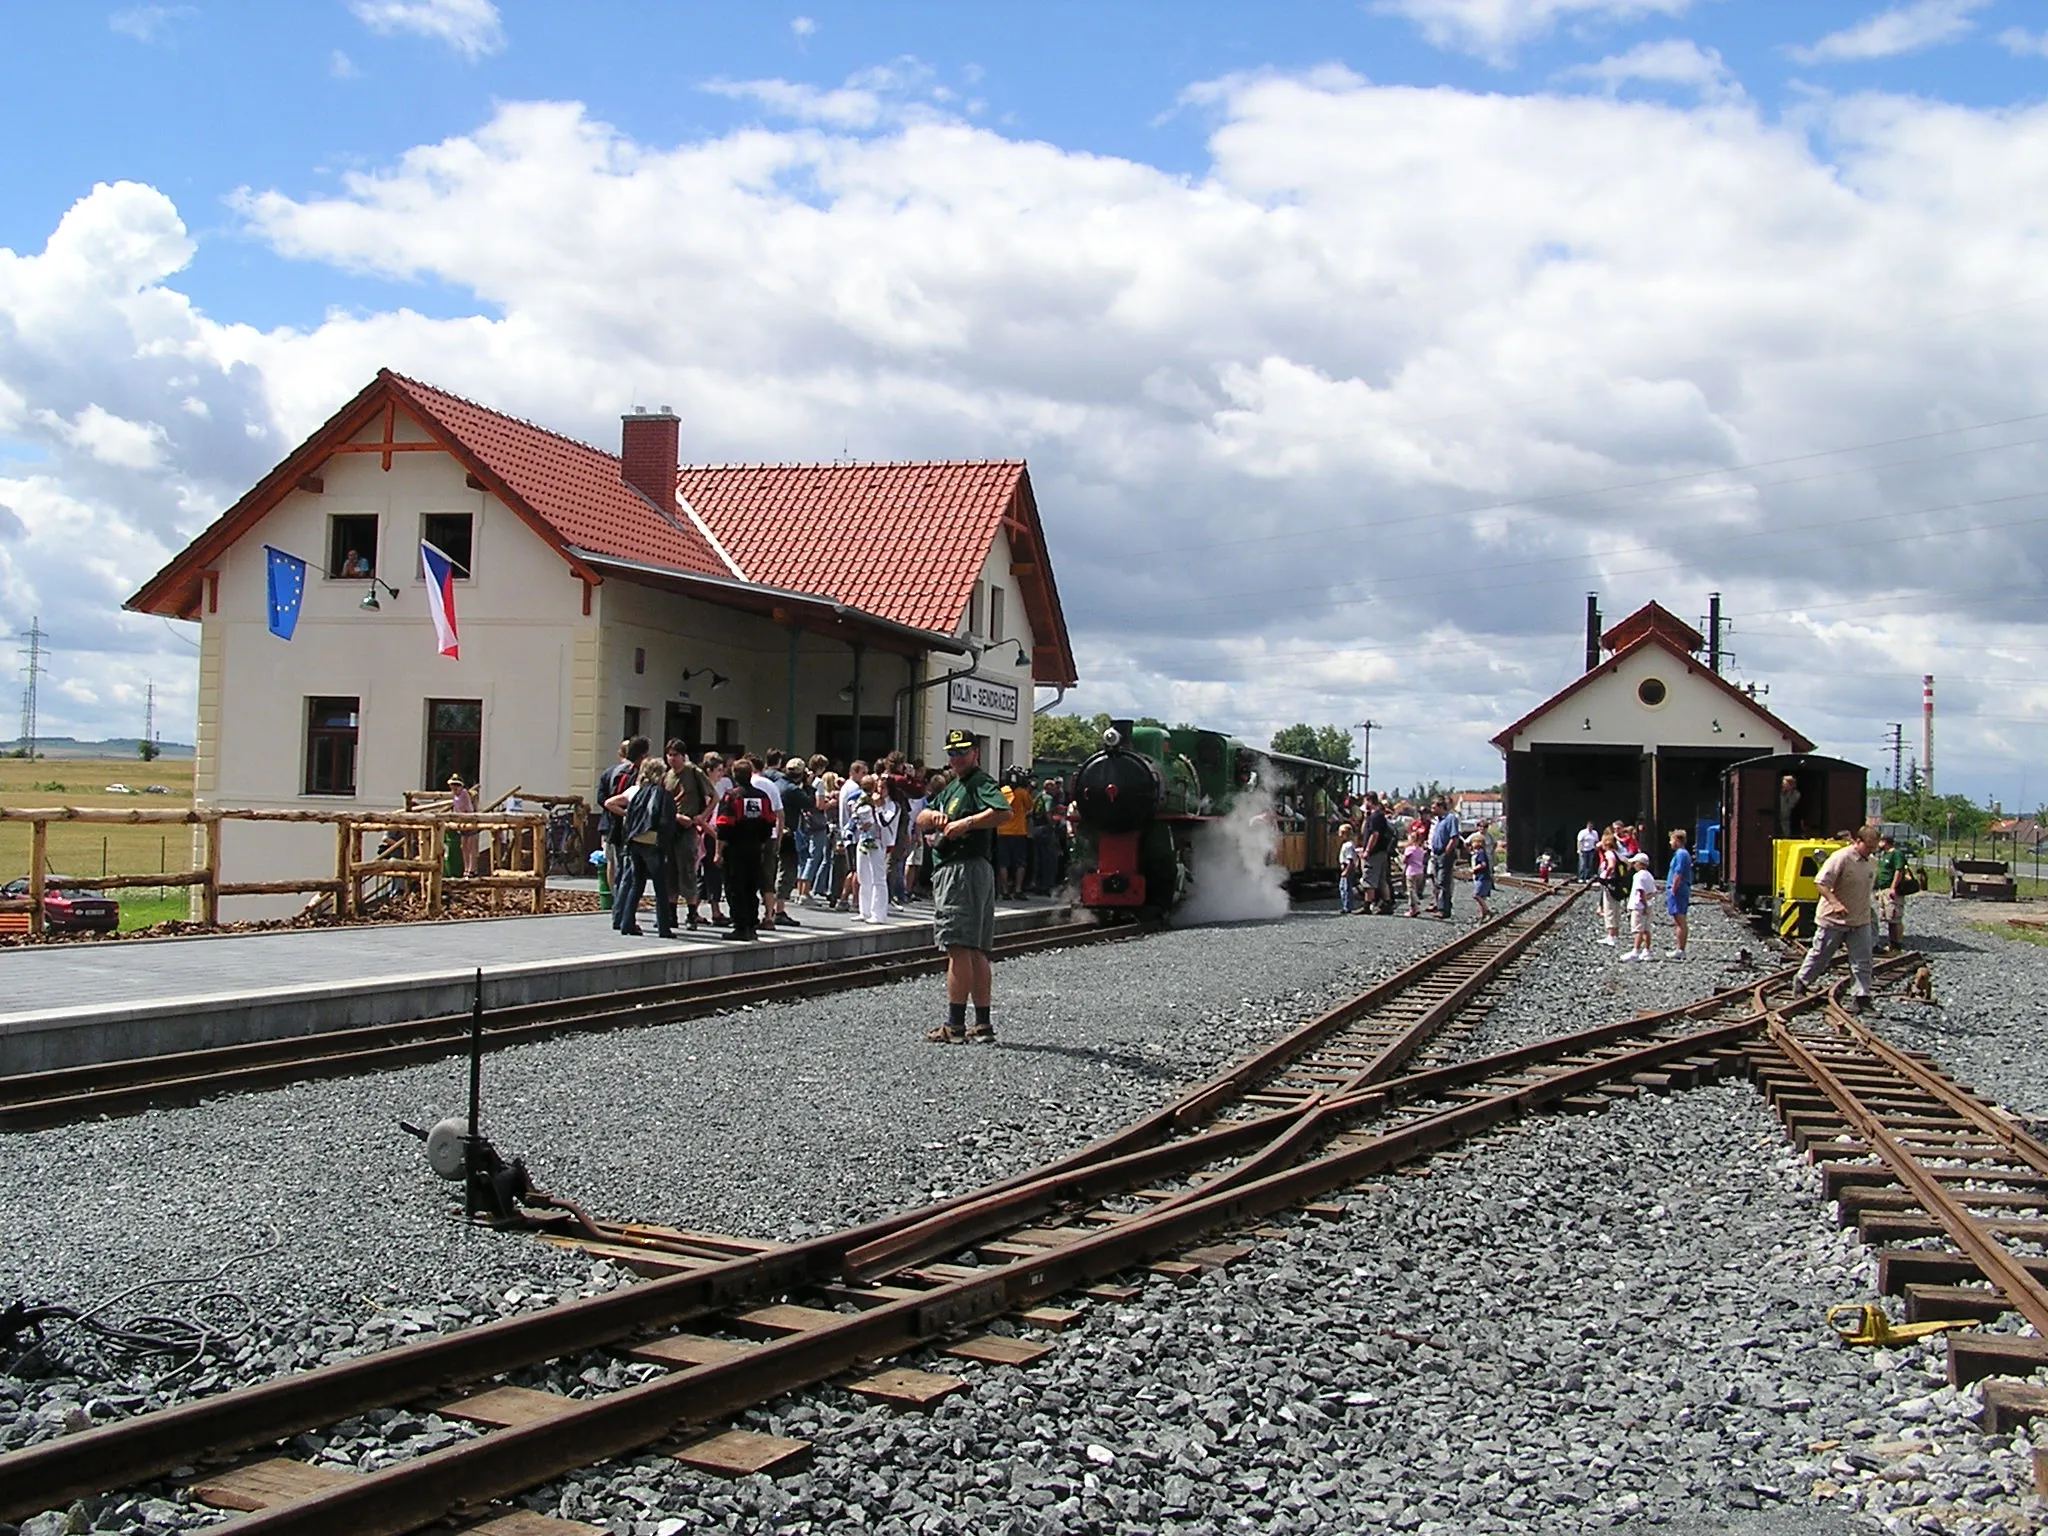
{"x":1861,"y":1323}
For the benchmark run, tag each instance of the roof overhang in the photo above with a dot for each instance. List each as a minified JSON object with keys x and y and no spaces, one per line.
{"x":800,"y":610}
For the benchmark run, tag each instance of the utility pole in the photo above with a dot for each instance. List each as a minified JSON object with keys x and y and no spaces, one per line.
{"x":1365,"y":762}
{"x":34,"y":669}
{"x":1897,"y":743}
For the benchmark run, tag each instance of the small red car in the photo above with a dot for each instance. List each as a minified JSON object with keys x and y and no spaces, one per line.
{"x":72,"y":911}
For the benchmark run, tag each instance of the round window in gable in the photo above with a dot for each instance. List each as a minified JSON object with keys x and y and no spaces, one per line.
{"x":1652,"y":692}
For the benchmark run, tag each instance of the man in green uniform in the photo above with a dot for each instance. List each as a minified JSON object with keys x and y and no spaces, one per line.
{"x":1893,"y":864}
{"x":965,"y":816}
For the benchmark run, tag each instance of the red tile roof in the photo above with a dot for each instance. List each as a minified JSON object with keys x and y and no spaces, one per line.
{"x":576,"y":488}
{"x":901,"y":542}
{"x":905,"y":541}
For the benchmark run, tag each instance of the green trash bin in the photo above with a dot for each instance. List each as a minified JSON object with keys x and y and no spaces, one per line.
{"x":604,"y":884}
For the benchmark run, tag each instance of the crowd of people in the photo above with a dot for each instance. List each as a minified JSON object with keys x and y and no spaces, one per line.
{"x":1426,"y":847}
{"x":761,"y":837}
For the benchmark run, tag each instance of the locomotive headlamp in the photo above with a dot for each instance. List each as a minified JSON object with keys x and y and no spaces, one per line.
{"x":1112,"y":739}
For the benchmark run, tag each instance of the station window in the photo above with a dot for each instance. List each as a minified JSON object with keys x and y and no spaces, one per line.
{"x":636,"y":722}
{"x":455,"y":740}
{"x":995,"y":613}
{"x":331,"y":746}
{"x":352,"y":544}
{"x":454,"y":534}
{"x":1652,"y":692}
{"x":974,"y":609}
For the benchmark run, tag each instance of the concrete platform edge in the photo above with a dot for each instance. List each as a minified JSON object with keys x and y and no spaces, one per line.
{"x":71,"y":1037}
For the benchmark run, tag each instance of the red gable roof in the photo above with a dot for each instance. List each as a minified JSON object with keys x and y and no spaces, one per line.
{"x":1653,"y":618}
{"x":901,"y":542}
{"x":576,"y":488}
{"x":1693,"y":666}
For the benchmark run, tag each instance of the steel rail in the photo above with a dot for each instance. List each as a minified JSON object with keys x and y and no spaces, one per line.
{"x":2027,"y":1148}
{"x":999,"y":1209}
{"x":132,"y":1451}
{"x":30,"y":1101}
{"x":406,"y":1497}
{"x":1200,"y":1103}
{"x":2008,"y":1273}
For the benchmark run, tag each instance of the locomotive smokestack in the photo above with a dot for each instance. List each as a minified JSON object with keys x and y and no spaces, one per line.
{"x":1592,"y":630}
{"x":1927,"y":731}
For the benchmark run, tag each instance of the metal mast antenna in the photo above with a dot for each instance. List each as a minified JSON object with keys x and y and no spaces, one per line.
{"x":33,"y":669}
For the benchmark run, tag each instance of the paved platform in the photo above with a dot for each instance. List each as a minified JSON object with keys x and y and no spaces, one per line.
{"x":73,"y":1004}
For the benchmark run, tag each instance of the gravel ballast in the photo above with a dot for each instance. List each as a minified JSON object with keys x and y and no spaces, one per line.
{"x":1670,"y":1241}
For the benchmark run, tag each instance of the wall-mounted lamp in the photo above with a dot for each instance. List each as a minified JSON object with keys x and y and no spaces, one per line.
{"x":718,"y":679}
{"x":1716,"y":725}
{"x":846,"y":694}
{"x":1586,"y":724}
{"x":1021,"y":661}
{"x":369,"y":604}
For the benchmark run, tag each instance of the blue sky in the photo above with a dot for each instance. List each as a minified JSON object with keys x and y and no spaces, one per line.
{"x":199,"y":100}
{"x":1352,"y":316}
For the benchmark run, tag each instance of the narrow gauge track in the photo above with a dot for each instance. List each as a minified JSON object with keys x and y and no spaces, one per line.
{"x":64,"y":1096}
{"x":1912,"y":1156}
{"x":1110,"y":1208}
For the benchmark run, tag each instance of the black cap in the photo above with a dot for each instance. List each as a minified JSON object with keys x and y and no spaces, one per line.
{"x":958,"y":741}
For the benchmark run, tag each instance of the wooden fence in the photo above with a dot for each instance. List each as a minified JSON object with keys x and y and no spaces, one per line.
{"x":409,"y":848}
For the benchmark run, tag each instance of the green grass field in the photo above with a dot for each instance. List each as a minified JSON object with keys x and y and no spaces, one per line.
{"x":101,"y":850}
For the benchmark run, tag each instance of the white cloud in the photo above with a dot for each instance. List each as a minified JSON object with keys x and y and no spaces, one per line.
{"x":1313,"y":430}
{"x":1493,"y":29}
{"x":1672,"y":61}
{"x":2024,"y":44}
{"x":895,"y":93}
{"x":341,"y":66}
{"x":1902,"y":29}
{"x":803,"y":26}
{"x":150,"y":23}
{"x":109,"y":438}
{"x":472,"y":28}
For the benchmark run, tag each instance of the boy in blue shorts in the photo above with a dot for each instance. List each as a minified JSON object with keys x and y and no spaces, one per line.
{"x":1678,"y":891}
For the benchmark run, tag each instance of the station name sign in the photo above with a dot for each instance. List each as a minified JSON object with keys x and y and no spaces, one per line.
{"x":982,"y":696}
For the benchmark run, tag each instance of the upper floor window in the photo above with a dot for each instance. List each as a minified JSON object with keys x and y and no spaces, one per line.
{"x":352,"y":544}
{"x":454,"y":534}
{"x":331,"y":726}
{"x":974,"y":608}
{"x":995,"y":613}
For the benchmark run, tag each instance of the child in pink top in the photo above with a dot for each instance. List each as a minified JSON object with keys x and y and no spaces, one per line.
{"x":1414,"y":864}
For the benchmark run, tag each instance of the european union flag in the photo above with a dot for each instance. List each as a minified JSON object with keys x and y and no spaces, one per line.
{"x":287,"y":587}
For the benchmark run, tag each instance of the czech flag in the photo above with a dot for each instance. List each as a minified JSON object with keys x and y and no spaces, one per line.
{"x":440,"y":572}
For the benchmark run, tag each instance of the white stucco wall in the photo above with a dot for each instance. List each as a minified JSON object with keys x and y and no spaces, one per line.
{"x":998,"y":666}
{"x":1609,"y":712}
{"x":519,"y":617}
{"x":679,"y":634}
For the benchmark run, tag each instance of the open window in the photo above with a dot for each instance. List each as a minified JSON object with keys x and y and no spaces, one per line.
{"x":351,"y":545}
{"x":454,"y":534}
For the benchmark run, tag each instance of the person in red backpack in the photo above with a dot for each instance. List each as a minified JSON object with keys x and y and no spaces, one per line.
{"x":745,"y":825}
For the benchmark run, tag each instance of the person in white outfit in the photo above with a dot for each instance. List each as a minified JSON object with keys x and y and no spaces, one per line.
{"x":876,"y":821}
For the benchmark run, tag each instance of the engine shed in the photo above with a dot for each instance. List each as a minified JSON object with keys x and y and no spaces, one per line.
{"x":1642,"y":735}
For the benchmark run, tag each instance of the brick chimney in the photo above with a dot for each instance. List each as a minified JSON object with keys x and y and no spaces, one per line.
{"x":648,"y":443}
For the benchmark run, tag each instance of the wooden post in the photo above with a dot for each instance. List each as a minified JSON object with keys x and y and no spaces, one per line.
{"x":537,"y":846}
{"x":38,"y":848}
{"x":436,"y":854}
{"x":209,"y":893}
{"x":344,"y":855}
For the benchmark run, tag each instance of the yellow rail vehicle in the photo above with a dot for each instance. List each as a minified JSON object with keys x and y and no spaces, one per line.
{"x":1794,"y":896}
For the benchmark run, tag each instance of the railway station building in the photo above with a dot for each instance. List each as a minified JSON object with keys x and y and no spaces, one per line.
{"x":838,"y":608}
{"x":1642,"y":735}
